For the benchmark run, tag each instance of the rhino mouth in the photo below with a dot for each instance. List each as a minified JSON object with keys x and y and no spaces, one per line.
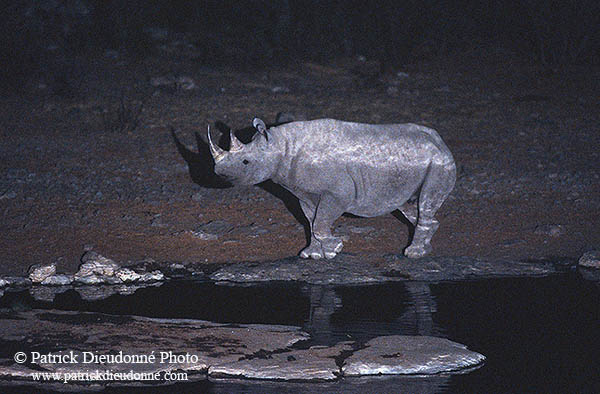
{"x":228,"y":178}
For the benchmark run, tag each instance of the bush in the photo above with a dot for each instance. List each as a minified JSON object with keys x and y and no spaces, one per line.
{"x":123,"y":115}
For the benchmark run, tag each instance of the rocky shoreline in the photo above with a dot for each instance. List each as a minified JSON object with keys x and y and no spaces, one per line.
{"x":99,"y":277}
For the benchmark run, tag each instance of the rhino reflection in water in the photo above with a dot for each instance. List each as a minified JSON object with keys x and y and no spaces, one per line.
{"x":334,"y":167}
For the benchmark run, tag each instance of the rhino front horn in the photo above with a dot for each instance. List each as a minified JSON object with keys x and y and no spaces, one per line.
{"x":216,"y":152}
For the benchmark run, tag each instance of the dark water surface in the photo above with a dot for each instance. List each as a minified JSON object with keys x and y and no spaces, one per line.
{"x":538,"y":334}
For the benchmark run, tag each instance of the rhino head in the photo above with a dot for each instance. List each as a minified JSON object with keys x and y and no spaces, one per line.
{"x":245,"y":164}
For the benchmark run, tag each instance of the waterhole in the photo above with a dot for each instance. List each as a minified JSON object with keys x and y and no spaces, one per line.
{"x":538,"y":334}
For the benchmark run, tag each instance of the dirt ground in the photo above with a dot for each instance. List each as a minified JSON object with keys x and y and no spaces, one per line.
{"x":526,"y":141}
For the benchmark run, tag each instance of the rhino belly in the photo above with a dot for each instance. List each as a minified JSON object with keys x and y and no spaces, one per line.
{"x":375,"y":195}
{"x":378,"y":207}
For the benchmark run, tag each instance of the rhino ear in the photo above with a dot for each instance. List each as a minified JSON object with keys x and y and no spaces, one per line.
{"x":260,"y":126}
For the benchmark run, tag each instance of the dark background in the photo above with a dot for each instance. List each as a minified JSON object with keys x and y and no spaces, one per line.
{"x":90,"y":91}
{"x":50,"y":35}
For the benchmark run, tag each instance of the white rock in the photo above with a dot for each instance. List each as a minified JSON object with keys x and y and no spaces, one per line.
{"x":186,"y":83}
{"x":58,"y":280}
{"x":3,"y":282}
{"x":399,"y":355}
{"x":89,"y":279}
{"x":153,"y":276}
{"x":39,"y":272}
{"x":280,"y":89}
{"x":590,"y":259}
{"x":17,"y":281}
{"x":127,"y":275}
{"x":94,"y":263}
{"x":552,"y":230}
{"x":205,"y":236}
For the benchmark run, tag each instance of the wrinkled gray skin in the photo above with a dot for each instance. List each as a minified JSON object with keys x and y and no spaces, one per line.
{"x":335,"y":167}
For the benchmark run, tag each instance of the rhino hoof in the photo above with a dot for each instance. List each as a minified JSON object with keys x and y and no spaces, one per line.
{"x":312,"y":253}
{"x":332,"y":246}
{"x":413,"y":252}
{"x":336,"y":249}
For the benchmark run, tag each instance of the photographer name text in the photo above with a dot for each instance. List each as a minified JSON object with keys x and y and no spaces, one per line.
{"x":72,"y":357}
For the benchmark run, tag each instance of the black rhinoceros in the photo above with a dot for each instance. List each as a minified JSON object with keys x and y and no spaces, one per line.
{"x":334,"y":167}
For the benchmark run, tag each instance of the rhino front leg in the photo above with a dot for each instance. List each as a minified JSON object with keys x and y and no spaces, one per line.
{"x":320,"y":218}
{"x":328,"y":210}
{"x":314,"y":248}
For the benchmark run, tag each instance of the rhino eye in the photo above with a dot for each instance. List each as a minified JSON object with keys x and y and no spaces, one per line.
{"x":245,"y":162}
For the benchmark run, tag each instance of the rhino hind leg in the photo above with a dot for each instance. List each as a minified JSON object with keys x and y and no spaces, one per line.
{"x":435,"y":189}
{"x":321,"y":218}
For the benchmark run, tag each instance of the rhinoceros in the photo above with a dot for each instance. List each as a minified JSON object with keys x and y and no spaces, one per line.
{"x":334,"y":167}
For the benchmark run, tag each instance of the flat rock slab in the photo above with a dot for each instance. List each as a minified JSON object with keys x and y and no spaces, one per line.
{"x":177,"y":344}
{"x":346,"y":269}
{"x":79,"y":343}
{"x":590,"y":259}
{"x":403,"y":355}
{"x":317,"y":363}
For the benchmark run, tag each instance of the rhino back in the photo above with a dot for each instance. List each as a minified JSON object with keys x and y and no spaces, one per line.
{"x":324,"y":137}
{"x":367,"y":166}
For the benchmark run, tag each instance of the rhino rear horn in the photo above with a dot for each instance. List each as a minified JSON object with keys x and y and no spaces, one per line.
{"x":260,"y":126}
{"x":216,"y":152}
{"x":235,"y":144}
